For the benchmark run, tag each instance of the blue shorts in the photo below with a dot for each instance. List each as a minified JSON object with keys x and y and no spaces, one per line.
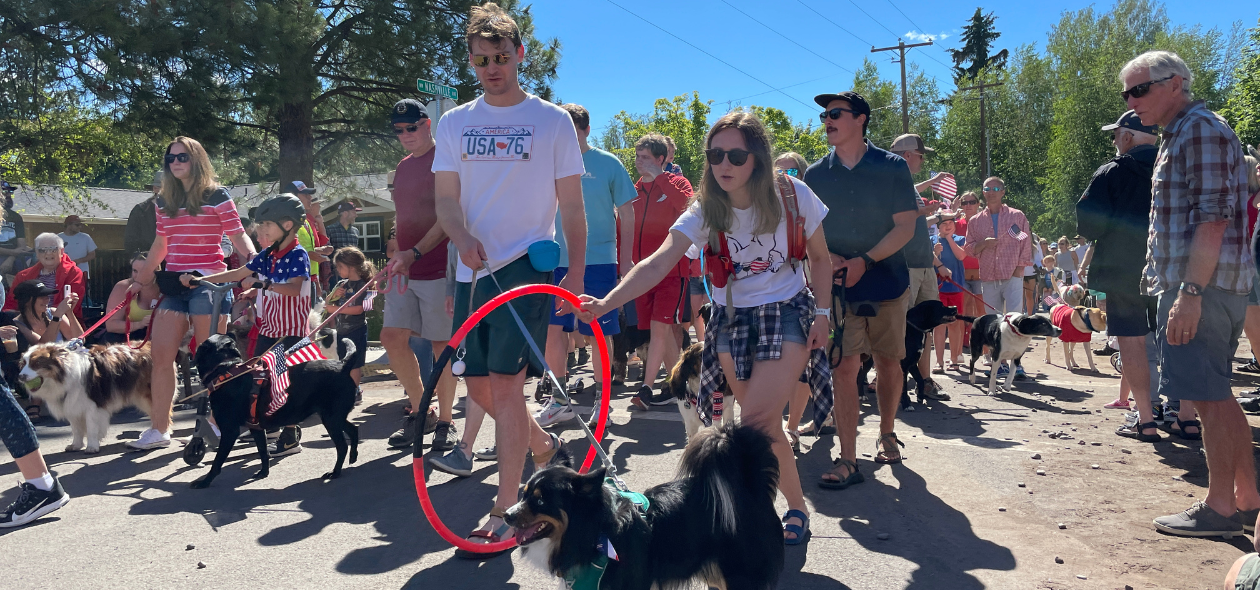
{"x":790,"y":320}
{"x":197,"y":302}
{"x":598,"y":282}
{"x":1200,"y":370}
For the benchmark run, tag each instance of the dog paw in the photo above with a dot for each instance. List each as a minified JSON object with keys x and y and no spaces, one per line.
{"x":92,"y":450}
{"x":73,"y":448}
{"x":332,"y":475}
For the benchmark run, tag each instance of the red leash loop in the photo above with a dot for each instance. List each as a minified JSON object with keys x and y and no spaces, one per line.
{"x":417,"y":462}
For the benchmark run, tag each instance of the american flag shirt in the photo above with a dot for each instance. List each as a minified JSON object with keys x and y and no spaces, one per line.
{"x":283,"y":315}
{"x":1200,"y":177}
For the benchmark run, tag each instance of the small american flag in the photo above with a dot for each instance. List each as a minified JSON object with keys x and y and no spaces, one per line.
{"x":278,"y":363}
{"x":946,"y":186}
{"x":368,"y":298}
{"x":1052,"y":299}
{"x":1017,"y":233}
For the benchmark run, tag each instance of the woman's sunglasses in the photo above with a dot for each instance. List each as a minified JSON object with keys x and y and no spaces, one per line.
{"x":183,"y":158}
{"x":1140,"y":90}
{"x":737,"y":156}
{"x":971,"y":202}
{"x":482,"y":61}
{"x":791,"y":171}
{"x":834,"y":114}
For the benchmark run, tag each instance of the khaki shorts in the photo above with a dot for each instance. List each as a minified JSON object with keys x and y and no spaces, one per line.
{"x":421,"y":308}
{"x":883,"y":335}
{"x":923,"y":287}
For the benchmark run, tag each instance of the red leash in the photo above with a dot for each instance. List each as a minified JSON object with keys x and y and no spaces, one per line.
{"x":101,"y":321}
{"x":964,"y":289}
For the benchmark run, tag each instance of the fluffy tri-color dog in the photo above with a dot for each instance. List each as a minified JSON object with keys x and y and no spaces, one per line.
{"x":315,"y":387}
{"x":85,"y":387}
{"x":684,"y":385}
{"x":715,"y":523}
{"x":1007,"y":337}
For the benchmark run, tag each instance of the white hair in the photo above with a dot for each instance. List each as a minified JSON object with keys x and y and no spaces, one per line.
{"x":1161,"y":64}
{"x":49,"y":238}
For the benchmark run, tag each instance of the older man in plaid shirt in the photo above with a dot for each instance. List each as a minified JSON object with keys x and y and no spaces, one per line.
{"x":1199,"y":265}
{"x":998,"y":235}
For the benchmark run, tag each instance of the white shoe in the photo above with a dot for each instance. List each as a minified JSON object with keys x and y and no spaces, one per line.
{"x":151,"y":439}
{"x":553,"y":414}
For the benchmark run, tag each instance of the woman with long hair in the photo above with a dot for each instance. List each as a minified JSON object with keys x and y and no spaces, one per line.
{"x":739,"y":203}
{"x":193,"y":215}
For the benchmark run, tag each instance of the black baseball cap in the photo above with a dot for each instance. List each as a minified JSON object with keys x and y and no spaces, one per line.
{"x":28,"y":290}
{"x":407,"y":110}
{"x":1133,"y":122}
{"x":296,"y":187}
{"x":348,"y":206}
{"x":854,"y":99}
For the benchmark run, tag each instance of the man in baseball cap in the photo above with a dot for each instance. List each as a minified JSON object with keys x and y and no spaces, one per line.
{"x":1131,"y":121}
{"x":408,"y":110}
{"x":343,"y":233}
{"x":910,"y":142}
{"x":298,"y":188}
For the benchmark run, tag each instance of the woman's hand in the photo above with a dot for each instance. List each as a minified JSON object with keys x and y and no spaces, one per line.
{"x":186,"y":280}
{"x":820,"y":332}
{"x":7,"y":332}
{"x":450,"y":306}
{"x":66,"y":304}
{"x":591,"y":309}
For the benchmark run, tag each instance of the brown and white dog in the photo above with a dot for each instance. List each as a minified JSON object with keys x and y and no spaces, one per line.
{"x":684,"y":384}
{"x":87,"y":386}
{"x":1078,"y":321}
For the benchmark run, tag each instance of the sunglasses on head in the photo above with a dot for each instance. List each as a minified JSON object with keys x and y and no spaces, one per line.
{"x":409,"y":128}
{"x":482,"y":61}
{"x":1140,"y":90}
{"x":791,"y":171}
{"x":183,"y":158}
{"x":994,"y":189}
{"x":834,"y":114}
{"x":737,"y":156}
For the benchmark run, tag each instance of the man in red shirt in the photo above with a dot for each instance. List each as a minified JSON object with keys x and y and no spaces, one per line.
{"x":663,"y":196}
{"x":415,"y":301}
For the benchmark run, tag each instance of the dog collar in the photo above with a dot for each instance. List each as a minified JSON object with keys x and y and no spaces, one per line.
{"x":1080,"y":311}
{"x":1007,"y":321}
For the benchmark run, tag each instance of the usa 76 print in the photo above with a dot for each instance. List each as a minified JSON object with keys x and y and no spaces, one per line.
{"x":486,"y":143}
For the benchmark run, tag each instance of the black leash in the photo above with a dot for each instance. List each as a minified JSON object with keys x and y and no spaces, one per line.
{"x":838,"y":314}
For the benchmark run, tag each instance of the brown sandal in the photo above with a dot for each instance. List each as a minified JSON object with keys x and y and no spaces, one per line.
{"x":854,"y":477}
{"x":491,"y":536}
{"x":883,"y":455}
{"x":545,"y":459}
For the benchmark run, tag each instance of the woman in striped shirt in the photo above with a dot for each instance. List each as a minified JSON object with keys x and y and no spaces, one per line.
{"x":193,"y":215}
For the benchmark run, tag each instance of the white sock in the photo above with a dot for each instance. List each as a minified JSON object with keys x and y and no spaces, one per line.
{"x":43,"y":482}
{"x":215,"y":428}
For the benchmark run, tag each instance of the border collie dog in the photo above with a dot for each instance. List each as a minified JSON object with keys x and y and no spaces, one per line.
{"x":684,"y":385}
{"x":1007,"y":337}
{"x":85,"y":387}
{"x":715,"y":523}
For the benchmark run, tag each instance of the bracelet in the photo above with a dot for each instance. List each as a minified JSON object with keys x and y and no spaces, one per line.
{"x":823,"y":311}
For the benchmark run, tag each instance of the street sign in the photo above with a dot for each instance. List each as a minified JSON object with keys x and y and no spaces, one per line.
{"x":436,"y":89}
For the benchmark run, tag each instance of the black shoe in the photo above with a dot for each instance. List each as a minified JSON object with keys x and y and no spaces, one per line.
{"x":287,"y":444}
{"x":643,"y":399}
{"x":572,"y":360}
{"x":1105,"y":351}
{"x":33,"y":503}
{"x":583,"y":357}
{"x":444,"y":436}
{"x":406,"y":436}
{"x":543,"y":390}
{"x":1251,"y":367}
{"x":662,"y":398}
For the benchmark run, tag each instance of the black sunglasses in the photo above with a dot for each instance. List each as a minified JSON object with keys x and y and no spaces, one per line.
{"x":184,"y":157}
{"x":834,"y":114}
{"x":482,"y":61}
{"x":409,"y":128}
{"x":1140,"y":90}
{"x":737,"y":156}
{"x":971,"y":202}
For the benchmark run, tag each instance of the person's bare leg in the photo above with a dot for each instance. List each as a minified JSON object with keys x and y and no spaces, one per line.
{"x":888,"y":391}
{"x":558,"y":351}
{"x":403,"y":362}
{"x":1138,"y":376}
{"x":357,"y":375}
{"x":597,"y":367}
{"x":925,"y":359}
{"x":1251,"y":327}
{"x":796,"y":405}
{"x":663,"y":348}
{"x":697,"y":301}
{"x":1227,"y":444}
{"x":32,"y":465}
{"x":169,"y":328}
{"x":846,"y":409}
{"x":474,"y":412}
{"x":938,"y":337}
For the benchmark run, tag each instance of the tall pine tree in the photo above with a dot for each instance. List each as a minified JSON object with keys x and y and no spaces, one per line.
{"x":978,"y":37}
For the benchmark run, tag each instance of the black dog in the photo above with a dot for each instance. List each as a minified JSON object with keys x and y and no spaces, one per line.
{"x":920,"y":321}
{"x":1007,"y":337}
{"x":627,"y":341}
{"x":322,"y":387}
{"x":715,"y":523}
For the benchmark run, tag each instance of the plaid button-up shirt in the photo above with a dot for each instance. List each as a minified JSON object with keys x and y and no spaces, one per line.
{"x":341,"y":237}
{"x":998,"y":263}
{"x":1200,"y":177}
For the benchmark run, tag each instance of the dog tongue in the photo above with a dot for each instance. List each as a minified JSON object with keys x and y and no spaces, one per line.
{"x":527,"y":535}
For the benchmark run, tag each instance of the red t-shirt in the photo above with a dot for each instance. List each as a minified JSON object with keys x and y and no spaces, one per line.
{"x":417,"y":213}
{"x":1252,"y":212}
{"x":194,"y":242}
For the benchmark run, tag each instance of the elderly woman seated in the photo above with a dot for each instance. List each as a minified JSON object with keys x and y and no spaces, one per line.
{"x":54,"y":269}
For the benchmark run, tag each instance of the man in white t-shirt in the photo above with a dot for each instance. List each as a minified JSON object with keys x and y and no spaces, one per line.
{"x":504,"y":164}
{"x":80,"y":247}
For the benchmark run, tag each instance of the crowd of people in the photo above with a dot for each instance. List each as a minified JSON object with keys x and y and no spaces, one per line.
{"x":809,"y":269}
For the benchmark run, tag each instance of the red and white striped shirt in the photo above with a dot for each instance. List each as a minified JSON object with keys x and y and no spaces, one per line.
{"x":283,"y":315}
{"x":193,"y":242}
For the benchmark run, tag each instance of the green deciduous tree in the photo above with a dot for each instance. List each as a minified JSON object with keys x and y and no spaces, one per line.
{"x":683,"y":118}
{"x":1243,"y":104}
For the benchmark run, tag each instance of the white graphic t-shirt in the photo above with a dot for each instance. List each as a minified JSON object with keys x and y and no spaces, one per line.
{"x":508,"y":160}
{"x":762,"y":272}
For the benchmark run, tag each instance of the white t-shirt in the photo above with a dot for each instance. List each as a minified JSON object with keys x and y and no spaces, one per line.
{"x":762,"y":273}
{"x":78,"y":246}
{"x":508,"y":160}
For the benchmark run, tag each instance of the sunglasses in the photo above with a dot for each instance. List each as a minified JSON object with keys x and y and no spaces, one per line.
{"x":46,"y":250}
{"x":1140,"y":90}
{"x":791,"y":171}
{"x":737,"y":156}
{"x":994,"y":189}
{"x":971,"y":202}
{"x":482,"y":61}
{"x":409,"y":128}
{"x":183,"y":158}
{"x":834,"y":114}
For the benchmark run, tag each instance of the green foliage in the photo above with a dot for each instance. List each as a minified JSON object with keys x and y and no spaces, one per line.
{"x":1243,"y":104}
{"x":884,"y":97}
{"x":788,"y":136}
{"x":685,"y":118}
{"x":978,"y":37}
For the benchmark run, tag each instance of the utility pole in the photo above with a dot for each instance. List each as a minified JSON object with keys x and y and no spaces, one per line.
{"x":901,"y":48}
{"x":984,"y":129}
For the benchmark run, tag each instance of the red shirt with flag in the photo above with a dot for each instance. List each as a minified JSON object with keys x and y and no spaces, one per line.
{"x":283,"y":315}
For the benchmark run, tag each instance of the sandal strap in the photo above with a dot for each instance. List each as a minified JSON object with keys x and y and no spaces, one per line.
{"x":793,"y":513}
{"x":1190,"y":423}
{"x":545,"y":457}
{"x":893,"y":436}
{"x":852,"y":465}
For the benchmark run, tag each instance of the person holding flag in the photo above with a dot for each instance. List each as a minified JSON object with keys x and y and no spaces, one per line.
{"x":282,"y":270}
{"x":998,"y":236}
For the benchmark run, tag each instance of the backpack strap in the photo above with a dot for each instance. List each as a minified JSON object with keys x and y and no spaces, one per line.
{"x":795,"y":222}
{"x":723,"y":270}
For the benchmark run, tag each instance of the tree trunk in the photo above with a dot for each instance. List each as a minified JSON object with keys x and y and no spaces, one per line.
{"x":297,"y":143}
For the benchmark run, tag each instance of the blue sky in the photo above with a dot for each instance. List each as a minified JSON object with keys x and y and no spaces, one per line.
{"x":614,"y":61}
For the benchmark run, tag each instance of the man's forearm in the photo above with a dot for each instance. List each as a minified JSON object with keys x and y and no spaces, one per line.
{"x":625,"y":215}
{"x":894,"y":241}
{"x":451,"y":218}
{"x":431,"y":239}
{"x":1205,"y":251}
{"x":573,"y":219}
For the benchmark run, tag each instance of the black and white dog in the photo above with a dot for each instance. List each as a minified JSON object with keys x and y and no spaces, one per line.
{"x":1007,"y":337}
{"x":920,"y":321}
{"x":715,"y":523}
{"x":315,"y":387}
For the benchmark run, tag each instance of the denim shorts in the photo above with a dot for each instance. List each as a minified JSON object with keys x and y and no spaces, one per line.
{"x":16,"y":431}
{"x":1200,"y":370}
{"x":196,"y":302}
{"x":791,"y":322}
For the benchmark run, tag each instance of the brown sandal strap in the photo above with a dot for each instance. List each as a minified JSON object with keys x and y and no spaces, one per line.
{"x":838,"y":461}
{"x":545,"y":457}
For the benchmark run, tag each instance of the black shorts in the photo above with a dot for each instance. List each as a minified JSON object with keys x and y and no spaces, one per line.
{"x":496,"y":344}
{"x":359,"y":338}
{"x":1131,"y":314}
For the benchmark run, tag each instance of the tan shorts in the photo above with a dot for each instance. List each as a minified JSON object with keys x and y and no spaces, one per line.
{"x":421,"y":308}
{"x":923,"y":287}
{"x":883,"y":335}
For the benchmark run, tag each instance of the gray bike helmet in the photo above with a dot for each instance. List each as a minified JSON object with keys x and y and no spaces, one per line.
{"x":280,"y":208}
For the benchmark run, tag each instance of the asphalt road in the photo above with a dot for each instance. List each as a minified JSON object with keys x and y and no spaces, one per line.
{"x":954,"y":514}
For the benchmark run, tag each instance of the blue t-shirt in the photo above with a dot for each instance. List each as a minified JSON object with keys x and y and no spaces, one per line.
{"x":994,"y":216}
{"x":293,"y":264}
{"x":948,"y":260}
{"x":605,"y":186}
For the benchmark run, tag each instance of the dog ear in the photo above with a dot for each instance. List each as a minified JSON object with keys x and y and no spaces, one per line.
{"x":592,"y":482}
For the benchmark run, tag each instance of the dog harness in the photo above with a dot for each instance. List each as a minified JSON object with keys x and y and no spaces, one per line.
{"x":261,"y":379}
{"x":588,"y":577}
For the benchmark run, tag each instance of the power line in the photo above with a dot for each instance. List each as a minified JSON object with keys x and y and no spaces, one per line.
{"x":789,"y":39}
{"x":907,"y":17}
{"x":834,"y":23}
{"x":776,"y":89}
{"x":925,"y":32}
{"x":855,"y":5}
{"x":693,"y":46}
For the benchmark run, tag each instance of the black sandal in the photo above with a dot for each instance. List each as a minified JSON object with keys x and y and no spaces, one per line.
{"x":1134,"y":431}
{"x":1180,"y":430}
{"x":33,"y":413}
{"x":854,"y":477}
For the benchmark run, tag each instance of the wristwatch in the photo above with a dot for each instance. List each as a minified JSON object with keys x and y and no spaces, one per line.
{"x":1192,"y":289}
{"x":869,"y":261}
{"x":416,"y":251}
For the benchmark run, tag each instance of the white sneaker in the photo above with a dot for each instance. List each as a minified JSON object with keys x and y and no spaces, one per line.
{"x":151,"y":439}
{"x":553,"y":414}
